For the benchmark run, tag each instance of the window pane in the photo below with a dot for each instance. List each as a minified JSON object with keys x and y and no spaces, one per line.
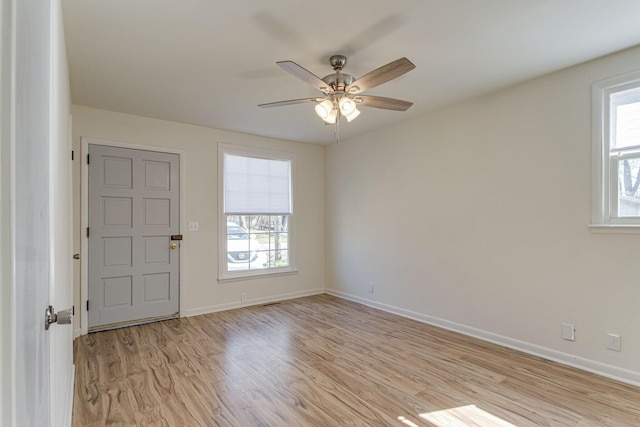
{"x":241,"y":245}
{"x":625,"y":117}
{"x":278,"y":258}
{"x":628,"y":187}
{"x":257,"y":242}
{"x":278,"y":250}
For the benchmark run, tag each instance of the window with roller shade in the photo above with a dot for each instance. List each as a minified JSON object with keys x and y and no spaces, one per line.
{"x":256,"y":227}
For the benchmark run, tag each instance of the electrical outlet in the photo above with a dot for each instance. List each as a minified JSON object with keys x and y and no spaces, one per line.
{"x":614,"y":342}
{"x":243,"y":297}
{"x":568,"y":332}
{"x":193,"y":226}
{"x":370,"y":287}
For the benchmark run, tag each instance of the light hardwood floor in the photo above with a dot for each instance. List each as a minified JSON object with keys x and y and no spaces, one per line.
{"x":324,"y":361}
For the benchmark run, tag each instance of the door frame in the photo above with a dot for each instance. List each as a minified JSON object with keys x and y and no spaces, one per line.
{"x":84,"y":219}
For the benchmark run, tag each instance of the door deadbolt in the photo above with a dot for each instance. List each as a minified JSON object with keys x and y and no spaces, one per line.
{"x":63,"y":317}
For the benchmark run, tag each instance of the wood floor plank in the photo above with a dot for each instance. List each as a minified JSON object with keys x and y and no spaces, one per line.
{"x":324,"y":361}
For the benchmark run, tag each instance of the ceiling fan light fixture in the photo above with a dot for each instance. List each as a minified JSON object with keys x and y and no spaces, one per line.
{"x":324,"y":109}
{"x":341,"y":92}
{"x":355,"y":113}
{"x":347,"y":106}
{"x":333,"y":117}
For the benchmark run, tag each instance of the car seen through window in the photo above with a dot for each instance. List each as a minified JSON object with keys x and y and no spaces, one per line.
{"x":240,"y":247}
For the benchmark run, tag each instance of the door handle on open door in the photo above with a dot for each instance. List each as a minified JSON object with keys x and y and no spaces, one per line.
{"x":63,"y":317}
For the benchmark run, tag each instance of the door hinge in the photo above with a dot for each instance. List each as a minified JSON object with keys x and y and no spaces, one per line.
{"x":87,"y":231}
{"x":72,"y":155}
{"x":88,"y":162}
{"x":87,"y":305}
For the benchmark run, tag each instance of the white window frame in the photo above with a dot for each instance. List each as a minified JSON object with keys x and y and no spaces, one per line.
{"x":604,"y":217}
{"x":224,"y":274}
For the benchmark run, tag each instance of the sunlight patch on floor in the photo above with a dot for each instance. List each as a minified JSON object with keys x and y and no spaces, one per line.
{"x":408,"y":422}
{"x":464,"y":416}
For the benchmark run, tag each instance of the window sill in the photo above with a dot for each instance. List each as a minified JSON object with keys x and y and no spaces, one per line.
{"x":251,"y":276}
{"x":615,"y":228}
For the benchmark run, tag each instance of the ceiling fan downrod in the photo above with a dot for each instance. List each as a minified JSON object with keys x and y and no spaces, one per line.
{"x":338,"y":62}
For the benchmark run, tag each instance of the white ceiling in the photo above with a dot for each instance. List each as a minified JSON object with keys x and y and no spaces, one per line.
{"x":210,"y":63}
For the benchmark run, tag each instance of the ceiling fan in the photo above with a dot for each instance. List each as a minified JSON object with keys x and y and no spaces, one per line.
{"x":342,"y":92}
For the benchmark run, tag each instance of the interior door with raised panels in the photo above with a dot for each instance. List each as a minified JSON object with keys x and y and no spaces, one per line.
{"x":133,"y":215}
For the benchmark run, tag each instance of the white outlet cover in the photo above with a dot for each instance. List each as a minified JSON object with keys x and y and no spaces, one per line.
{"x":193,"y":226}
{"x":614,"y":342}
{"x":568,"y":332}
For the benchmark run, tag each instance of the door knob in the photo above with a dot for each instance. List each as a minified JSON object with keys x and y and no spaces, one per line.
{"x":64,"y":317}
{"x":174,"y":245}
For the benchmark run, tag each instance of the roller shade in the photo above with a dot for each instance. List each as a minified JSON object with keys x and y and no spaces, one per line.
{"x":256,"y":186}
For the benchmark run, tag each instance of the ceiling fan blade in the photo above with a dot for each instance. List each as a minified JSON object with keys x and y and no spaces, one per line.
{"x":382,"y":102}
{"x":305,"y":75}
{"x":381,"y":75}
{"x":289,"y":102}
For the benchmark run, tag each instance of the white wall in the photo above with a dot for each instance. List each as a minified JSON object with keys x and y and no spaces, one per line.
{"x":475,"y":217}
{"x":200,"y":288}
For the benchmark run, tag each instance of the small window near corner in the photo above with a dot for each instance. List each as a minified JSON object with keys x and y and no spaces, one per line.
{"x":616,"y":152}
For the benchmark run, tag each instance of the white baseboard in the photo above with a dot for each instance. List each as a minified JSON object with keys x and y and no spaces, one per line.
{"x":250,"y":302}
{"x":599,"y":368}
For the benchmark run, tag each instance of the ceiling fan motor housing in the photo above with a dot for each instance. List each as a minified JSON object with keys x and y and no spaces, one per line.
{"x":338,"y":81}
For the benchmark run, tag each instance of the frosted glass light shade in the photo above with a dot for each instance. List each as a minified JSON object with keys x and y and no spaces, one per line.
{"x":324,"y":108}
{"x":333,"y":116}
{"x":347,"y":105}
{"x":353,"y":115}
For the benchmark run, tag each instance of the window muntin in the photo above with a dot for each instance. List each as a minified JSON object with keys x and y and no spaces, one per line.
{"x":617,"y":151}
{"x":256,"y":199}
